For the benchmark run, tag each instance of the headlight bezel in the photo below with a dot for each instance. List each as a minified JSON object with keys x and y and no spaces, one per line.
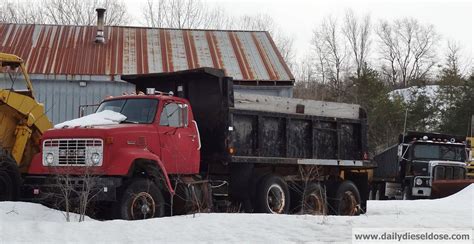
{"x":418,"y":182}
{"x":49,"y":158}
{"x":95,"y":158}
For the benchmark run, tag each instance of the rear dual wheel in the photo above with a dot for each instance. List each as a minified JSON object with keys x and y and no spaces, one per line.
{"x":272,"y":195}
{"x":346,"y":200}
{"x":314,"y":200}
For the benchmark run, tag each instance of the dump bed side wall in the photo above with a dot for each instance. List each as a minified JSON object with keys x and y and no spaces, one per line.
{"x":387,"y":164}
{"x":268,"y":134}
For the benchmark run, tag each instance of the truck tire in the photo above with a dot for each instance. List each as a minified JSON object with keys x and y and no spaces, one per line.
{"x":407,"y":193}
{"x":142,"y":199}
{"x":314,"y":200}
{"x":272,"y":195}
{"x":380,"y":192}
{"x":10,"y":179}
{"x":372,"y":191}
{"x":347,"y":199}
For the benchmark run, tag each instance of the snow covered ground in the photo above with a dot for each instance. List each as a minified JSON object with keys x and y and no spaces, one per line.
{"x":33,"y":223}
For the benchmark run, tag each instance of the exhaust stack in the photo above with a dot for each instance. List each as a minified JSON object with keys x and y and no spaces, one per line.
{"x":99,"y":38}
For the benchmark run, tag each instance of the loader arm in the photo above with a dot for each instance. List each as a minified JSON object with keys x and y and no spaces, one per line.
{"x":22,"y":118}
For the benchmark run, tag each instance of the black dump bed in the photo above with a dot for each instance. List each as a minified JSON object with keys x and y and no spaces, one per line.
{"x":387,"y":164}
{"x":264,"y":129}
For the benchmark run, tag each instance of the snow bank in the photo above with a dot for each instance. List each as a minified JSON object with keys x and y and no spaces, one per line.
{"x":46,"y":225}
{"x":106,"y":117}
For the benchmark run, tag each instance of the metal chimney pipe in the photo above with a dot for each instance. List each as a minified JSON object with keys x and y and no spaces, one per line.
{"x":99,"y":38}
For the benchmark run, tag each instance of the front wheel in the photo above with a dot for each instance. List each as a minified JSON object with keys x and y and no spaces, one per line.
{"x":272,"y":195}
{"x":142,"y":199}
{"x":407,"y":193}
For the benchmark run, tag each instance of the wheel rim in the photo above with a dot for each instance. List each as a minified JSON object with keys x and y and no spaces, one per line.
{"x":314,"y":204}
{"x":143,"y":206}
{"x":348,"y":204}
{"x":276,"y":199}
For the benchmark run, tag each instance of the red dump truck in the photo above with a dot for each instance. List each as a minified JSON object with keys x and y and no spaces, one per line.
{"x":202,"y":146}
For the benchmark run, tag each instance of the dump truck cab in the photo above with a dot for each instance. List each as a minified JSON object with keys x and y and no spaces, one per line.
{"x":153,"y":127}
{"x":427,"y":159}
{"x":421,"y":165}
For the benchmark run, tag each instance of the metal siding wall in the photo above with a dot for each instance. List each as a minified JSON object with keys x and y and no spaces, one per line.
{"x":61,"y":99}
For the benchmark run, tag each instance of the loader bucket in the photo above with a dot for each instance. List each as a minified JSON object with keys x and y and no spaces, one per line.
{"x":444,"y":188}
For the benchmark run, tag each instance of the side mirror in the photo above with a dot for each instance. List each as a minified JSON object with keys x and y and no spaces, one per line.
{"x":183,"y":115}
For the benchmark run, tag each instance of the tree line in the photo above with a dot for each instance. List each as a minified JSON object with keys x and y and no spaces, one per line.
{"x":352,"y":59}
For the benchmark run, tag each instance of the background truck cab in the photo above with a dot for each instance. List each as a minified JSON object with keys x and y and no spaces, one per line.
{"x":418,"y":164}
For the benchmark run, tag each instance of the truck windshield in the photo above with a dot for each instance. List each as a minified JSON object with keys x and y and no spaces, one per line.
{"x":137,"y":110}
{"x":440,"y":152}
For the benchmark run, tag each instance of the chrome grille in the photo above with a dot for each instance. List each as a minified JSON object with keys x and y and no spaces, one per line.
{"x":442,"y":172}
{"x":72,"y":152}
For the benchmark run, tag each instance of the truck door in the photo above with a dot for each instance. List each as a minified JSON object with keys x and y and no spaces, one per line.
{"x":179,"y":139}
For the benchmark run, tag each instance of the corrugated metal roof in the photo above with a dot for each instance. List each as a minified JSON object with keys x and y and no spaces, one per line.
{"x":71,"y":50}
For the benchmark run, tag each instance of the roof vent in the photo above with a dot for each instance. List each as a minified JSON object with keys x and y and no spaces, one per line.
{"x":99,"y":38}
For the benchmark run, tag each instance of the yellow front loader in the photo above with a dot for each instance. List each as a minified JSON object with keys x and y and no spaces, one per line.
{"x":22,"y":123}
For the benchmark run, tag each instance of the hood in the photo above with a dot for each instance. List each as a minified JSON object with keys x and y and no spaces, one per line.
{"x":434,"y":163}
{"x":99,"y":131}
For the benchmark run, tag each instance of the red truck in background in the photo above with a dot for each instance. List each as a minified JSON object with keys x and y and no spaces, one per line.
{"x":205,"y":144}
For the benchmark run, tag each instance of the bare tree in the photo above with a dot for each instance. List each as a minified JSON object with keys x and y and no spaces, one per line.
{"x":408,"y":48}
{"x":357,"y":33}
{"x":76,"y":191}
{"x":183,"y":14}
{"x":154,"y":13}
{"x":82,"y":12}
{"x":20,"y":12}
{"x":332,"y":54}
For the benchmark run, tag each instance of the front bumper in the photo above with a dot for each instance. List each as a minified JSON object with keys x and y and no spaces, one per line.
{"x":421,"y":191}
{"x":48,"y":189}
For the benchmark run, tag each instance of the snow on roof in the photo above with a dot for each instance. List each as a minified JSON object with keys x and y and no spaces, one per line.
{"x":106,"y":117}
{"x":410,"y":93}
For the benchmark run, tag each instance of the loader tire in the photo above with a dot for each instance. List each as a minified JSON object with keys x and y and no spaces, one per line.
{"x":10,"y":179}
{"x":142,"y":199}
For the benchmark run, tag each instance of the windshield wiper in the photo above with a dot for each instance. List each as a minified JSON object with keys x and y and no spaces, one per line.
{"x":129,"y":122}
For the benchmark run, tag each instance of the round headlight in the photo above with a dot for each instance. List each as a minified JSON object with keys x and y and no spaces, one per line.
{"x":418,"y":181}
{"x":95,"y":158}
{"x":49,"y":158}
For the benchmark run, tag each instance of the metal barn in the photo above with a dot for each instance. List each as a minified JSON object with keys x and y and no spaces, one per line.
{"x":69,"y":67}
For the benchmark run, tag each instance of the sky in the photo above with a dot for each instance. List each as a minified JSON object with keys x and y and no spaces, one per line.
{"x":453,"y":20}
